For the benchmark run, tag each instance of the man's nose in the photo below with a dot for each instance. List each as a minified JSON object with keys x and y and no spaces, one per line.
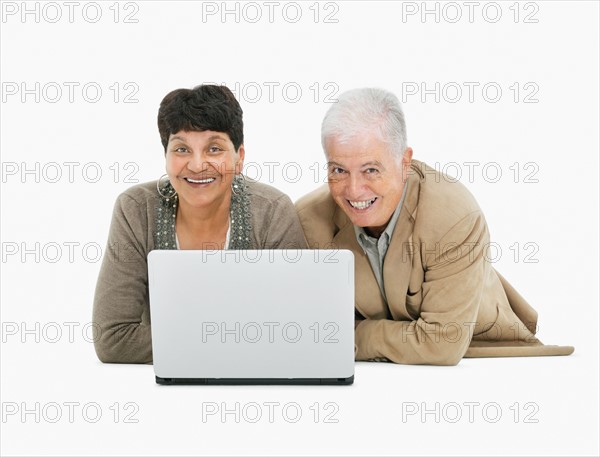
{"x":355,"y":185}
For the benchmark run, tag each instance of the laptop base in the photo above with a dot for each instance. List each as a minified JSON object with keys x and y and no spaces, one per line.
{"x":254,"y":381}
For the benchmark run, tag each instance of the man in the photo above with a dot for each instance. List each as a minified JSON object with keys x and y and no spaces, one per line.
{"x":425,"y":293}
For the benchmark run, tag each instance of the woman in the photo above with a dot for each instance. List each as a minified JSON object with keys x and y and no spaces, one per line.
{"x":203,"y":202}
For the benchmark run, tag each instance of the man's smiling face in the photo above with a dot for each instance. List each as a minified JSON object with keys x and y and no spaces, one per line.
{"x":366,"y":179}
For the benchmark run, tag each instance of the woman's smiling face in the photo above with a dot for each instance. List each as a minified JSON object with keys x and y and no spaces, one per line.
{"x":201,"y":166}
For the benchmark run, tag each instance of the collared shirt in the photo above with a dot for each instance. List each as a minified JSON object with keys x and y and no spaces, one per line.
{"x":376,"y":248}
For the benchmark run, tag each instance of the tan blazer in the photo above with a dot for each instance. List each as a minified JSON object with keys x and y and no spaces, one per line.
{"x":444,"y":299}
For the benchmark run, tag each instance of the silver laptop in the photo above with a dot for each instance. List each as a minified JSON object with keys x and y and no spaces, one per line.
{"x":252,"y":317}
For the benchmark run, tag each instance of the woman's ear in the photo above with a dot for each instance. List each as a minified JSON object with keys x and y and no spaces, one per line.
{"x":239,"y":165}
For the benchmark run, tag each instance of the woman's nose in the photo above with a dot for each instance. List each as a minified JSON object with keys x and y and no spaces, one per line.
{"x":197,"y":162}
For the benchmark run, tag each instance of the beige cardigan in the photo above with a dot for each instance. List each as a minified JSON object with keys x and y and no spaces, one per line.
{"x":445,"y":301}
{"x":121,"y":313}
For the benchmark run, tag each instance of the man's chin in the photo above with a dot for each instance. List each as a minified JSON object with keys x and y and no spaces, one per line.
{"x":360,"y":220}
{"x":365,"y":218}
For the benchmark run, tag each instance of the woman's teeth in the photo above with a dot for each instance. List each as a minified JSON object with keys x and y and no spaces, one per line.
{"x":362,"y":205}
{"x":200,"y":181}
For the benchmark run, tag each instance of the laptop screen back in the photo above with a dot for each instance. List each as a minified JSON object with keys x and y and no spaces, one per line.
{"x":265,"y":314}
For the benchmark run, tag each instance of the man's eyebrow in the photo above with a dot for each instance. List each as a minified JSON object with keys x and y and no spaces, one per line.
{"x":373,"y":162}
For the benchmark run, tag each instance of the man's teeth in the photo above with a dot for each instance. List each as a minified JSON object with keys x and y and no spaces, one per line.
{"x":200,"y":181}
{"x":363,"y":204}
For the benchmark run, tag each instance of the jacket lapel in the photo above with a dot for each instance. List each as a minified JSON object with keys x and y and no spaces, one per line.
{"x":398,"y":261}
{"x":397,"y":265}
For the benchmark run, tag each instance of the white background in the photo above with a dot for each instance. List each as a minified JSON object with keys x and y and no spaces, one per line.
{"x":174,"y":45}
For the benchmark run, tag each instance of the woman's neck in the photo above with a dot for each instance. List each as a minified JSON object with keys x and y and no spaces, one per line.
{"x":204,"y":222}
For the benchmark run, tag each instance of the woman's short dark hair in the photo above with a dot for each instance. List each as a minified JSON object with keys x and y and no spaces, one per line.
{"x":205,"y":107}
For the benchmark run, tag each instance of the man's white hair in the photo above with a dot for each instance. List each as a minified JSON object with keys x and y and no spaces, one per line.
{"x":360,"y":111}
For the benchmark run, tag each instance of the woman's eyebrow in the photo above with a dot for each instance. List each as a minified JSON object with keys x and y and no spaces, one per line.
{"x":216,"y":137}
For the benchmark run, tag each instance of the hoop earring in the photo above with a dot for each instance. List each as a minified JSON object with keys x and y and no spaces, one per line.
{"x":165,"y":187}
{"x":238,"y":184}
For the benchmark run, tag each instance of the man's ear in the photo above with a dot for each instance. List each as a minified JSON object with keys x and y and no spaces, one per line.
{"x":239,"y":165}
{"x":406,"y":160}
{"x":407,"y":157}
